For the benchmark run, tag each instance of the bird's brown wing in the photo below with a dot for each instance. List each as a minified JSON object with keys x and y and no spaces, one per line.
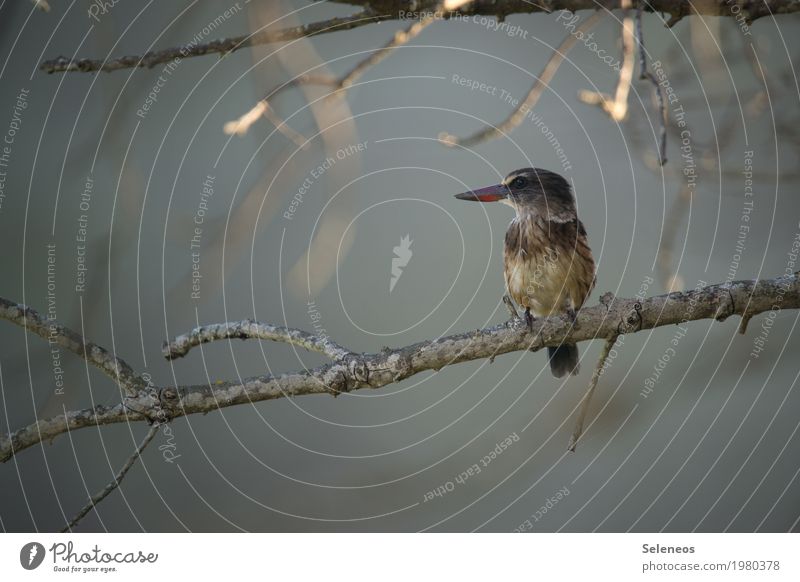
{"x":575,"y":244}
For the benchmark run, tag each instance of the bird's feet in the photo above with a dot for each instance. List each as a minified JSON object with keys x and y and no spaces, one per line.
{"x":572,"y":315}
{"x":529,"y":318}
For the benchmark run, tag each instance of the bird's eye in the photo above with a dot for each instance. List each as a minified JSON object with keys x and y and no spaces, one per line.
{"x":519,"y":182}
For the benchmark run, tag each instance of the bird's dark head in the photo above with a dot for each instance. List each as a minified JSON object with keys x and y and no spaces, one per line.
{"x":530,"y":190}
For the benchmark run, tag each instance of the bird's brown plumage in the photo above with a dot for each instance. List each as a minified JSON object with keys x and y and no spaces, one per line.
{"x":548,"y":265}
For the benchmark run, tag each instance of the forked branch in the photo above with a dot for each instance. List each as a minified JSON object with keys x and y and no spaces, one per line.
{"x":56,"y":334}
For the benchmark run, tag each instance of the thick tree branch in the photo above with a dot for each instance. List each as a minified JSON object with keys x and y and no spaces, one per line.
{"x":753,"y":9}
{"x":57,"y":334}
{"x":380,"y":10}
{"x":47,"y":429}
{"x":355,"y":371}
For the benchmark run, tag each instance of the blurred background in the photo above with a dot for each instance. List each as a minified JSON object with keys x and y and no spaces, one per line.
{"x":185,"y":224}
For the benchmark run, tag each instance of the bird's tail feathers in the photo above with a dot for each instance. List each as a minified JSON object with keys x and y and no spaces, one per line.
{"x":563,"y":360}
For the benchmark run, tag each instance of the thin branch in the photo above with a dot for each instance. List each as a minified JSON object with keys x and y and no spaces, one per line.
{"x":617,"y":107}
{"x":57,"y":334}
{"x":104,"y":492}
{"x":298,"y":138}
{"x":241,"y":125}
{"x":249,"y":329}
{"x":220,"y":46}
{"x":598,"y":371}
{"x":645,"y":73}
{"x":522,"y":110}
{"x":355,"y":371}
{"x":400,"y":38}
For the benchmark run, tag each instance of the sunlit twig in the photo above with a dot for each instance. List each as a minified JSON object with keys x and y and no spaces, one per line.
{"x":617,"y":107}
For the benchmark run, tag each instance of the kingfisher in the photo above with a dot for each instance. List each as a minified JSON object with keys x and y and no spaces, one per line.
{"x":547,"y":263}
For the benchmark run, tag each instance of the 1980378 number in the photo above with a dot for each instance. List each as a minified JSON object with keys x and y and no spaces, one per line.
{"x":756,"y":565}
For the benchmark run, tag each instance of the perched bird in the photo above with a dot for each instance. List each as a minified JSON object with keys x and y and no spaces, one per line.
{"x":548,"y":265}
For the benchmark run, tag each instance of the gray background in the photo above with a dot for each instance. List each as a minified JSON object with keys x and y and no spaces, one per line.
{"x":713,"y":447}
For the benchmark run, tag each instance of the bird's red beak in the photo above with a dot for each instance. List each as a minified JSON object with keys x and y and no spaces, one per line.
{"x":488,"y":194}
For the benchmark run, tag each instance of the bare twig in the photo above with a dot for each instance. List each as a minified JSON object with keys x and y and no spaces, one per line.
{"x":298,"y":138}
{"x":104,"y":492}
{"x":243,"y":123}
{"x":400,"y":38}
{"x":375,"y":370}
{"x":598,"y":370}
{"x":617,"y":107}
{"x":57,"y":334}
{"x":523,"y":109}
{"x":456,"y":4}
{"x":645,"y":73}
{"x":249,"y":329}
